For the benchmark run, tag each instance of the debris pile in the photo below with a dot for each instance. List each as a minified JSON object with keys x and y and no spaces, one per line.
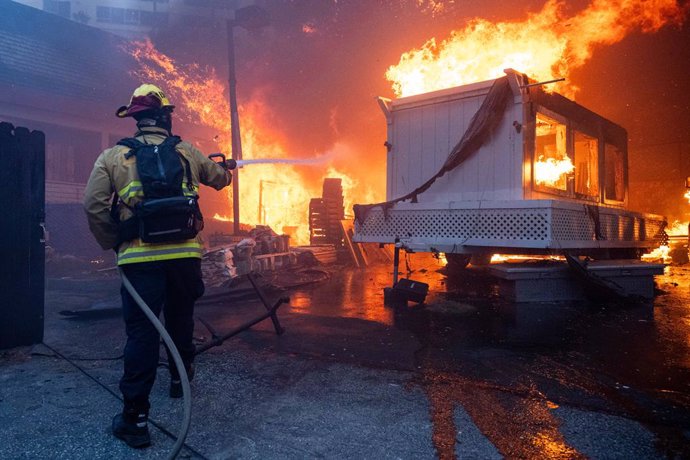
{"x":218,"y":267}
{"x":263,"y":250}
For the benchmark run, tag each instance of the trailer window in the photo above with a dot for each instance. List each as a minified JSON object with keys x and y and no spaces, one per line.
{"x":614,"y":180}
{"x":551,"y":162}
{"x":586,"y":164}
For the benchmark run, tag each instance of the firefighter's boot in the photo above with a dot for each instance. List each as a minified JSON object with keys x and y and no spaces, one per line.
{"x":132,"y":427}
{"x":176,"y":383}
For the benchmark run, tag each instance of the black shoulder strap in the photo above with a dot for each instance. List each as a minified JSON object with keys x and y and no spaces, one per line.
{"x":172,"y":141}
{"x":133,"y":145}
{"x":114,"y":214}
{"x":187,"y":168}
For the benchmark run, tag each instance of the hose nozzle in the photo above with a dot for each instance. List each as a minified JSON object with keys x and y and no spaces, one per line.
{"x":228,"y":164}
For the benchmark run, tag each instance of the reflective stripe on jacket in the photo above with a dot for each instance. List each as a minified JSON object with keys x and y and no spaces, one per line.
{"x":113,"y":173}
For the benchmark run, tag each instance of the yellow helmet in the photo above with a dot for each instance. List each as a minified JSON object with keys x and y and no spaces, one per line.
{"x":145,"y":97}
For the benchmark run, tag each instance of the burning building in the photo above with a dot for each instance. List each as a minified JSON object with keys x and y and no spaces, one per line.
{"x":484,"y":160}
{"x":505,"y":166}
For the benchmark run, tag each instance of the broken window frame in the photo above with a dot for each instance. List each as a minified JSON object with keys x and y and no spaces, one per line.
{"x":595,"y":132}
{"x":605,"y":174}
{"x":568,"y":192}
{"x":574,"y":128}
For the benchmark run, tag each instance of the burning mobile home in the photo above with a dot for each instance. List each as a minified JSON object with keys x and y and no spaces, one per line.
{"x":503,"y":166}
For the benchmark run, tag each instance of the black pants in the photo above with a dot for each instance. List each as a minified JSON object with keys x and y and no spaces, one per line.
{"x":169,"y":285}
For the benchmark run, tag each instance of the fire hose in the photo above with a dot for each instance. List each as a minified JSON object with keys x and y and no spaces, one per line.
{"x":186,"y":390}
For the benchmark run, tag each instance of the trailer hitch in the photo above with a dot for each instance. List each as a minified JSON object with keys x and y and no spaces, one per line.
{"x":271,"y":312}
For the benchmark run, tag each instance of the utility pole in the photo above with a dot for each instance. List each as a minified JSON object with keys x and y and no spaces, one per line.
{"x":251,"y":18}
{"x":234,"y":127}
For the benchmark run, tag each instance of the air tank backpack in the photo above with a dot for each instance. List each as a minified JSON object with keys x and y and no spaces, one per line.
{"x":165,"y":214}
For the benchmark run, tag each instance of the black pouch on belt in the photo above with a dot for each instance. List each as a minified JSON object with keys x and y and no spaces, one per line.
{"x":169,"y":219}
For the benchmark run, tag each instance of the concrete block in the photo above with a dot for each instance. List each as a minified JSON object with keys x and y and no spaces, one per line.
{"x":527,"y":282}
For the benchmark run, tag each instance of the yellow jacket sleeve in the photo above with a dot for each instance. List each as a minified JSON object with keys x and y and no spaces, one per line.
{"x":97,"y":201}
{"x":210,"y":173}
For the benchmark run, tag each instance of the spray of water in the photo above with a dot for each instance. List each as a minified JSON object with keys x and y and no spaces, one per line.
{"x":289,"y":161}
{"x":308,"y":162}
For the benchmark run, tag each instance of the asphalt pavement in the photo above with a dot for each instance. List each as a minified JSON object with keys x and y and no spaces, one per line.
{"x":468,"y":376}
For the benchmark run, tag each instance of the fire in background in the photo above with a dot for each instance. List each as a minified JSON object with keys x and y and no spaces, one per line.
{"x":276,"y":195}
{"x":549,"y":43}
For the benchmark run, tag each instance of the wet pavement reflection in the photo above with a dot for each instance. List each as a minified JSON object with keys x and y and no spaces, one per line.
{"x":513,"y":366}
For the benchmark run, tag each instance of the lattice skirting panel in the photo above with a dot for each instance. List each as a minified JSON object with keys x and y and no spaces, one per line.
{"x":548,"y":225}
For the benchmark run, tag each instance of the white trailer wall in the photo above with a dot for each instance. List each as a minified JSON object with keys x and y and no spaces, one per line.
{"x":424,"y":129}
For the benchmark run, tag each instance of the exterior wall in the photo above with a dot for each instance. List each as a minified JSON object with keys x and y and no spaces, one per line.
{"x":493,"y":173}
{"x":424,"y":129}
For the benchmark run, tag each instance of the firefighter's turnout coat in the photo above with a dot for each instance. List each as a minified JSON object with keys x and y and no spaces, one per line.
{"x":113,"y":173}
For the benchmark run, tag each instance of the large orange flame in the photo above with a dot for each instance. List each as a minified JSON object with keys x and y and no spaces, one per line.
{"x":546,"y":45}
{"x":270,"y":194}
{"x":550,"y":171}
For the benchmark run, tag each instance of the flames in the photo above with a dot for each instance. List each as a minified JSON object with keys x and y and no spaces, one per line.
{"x":500,"y":258}
{"x":677,"y":229}
{"x":217,"y":216}
{"x":285,"y":189}
{"x":660,"y":254}
{"x":551,"y":171}
{"x":546,"y":45}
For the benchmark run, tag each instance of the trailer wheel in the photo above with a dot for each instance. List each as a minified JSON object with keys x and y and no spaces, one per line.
{"x":457,"y":262}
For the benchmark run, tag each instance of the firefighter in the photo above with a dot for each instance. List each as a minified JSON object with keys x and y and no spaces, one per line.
{"x":167,"y":275}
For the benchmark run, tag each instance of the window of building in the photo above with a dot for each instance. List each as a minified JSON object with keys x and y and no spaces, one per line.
{"x":614,"y":172}
{"x":61,"y":8}
{"x":586,"y":154}
{"x":552,"y":165}
{"x":147,"y":18}
{"x":110,"y":15}
{"x":117,"y":15}
{"x":202,"y":3}
{"x":103,"y":13}
{"x":132,"y":17}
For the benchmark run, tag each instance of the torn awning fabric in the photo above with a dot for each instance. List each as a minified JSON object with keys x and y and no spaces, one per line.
{"x":480,"y":128}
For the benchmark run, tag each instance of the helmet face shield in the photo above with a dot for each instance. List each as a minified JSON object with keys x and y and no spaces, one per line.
{"x":145,"y":97}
